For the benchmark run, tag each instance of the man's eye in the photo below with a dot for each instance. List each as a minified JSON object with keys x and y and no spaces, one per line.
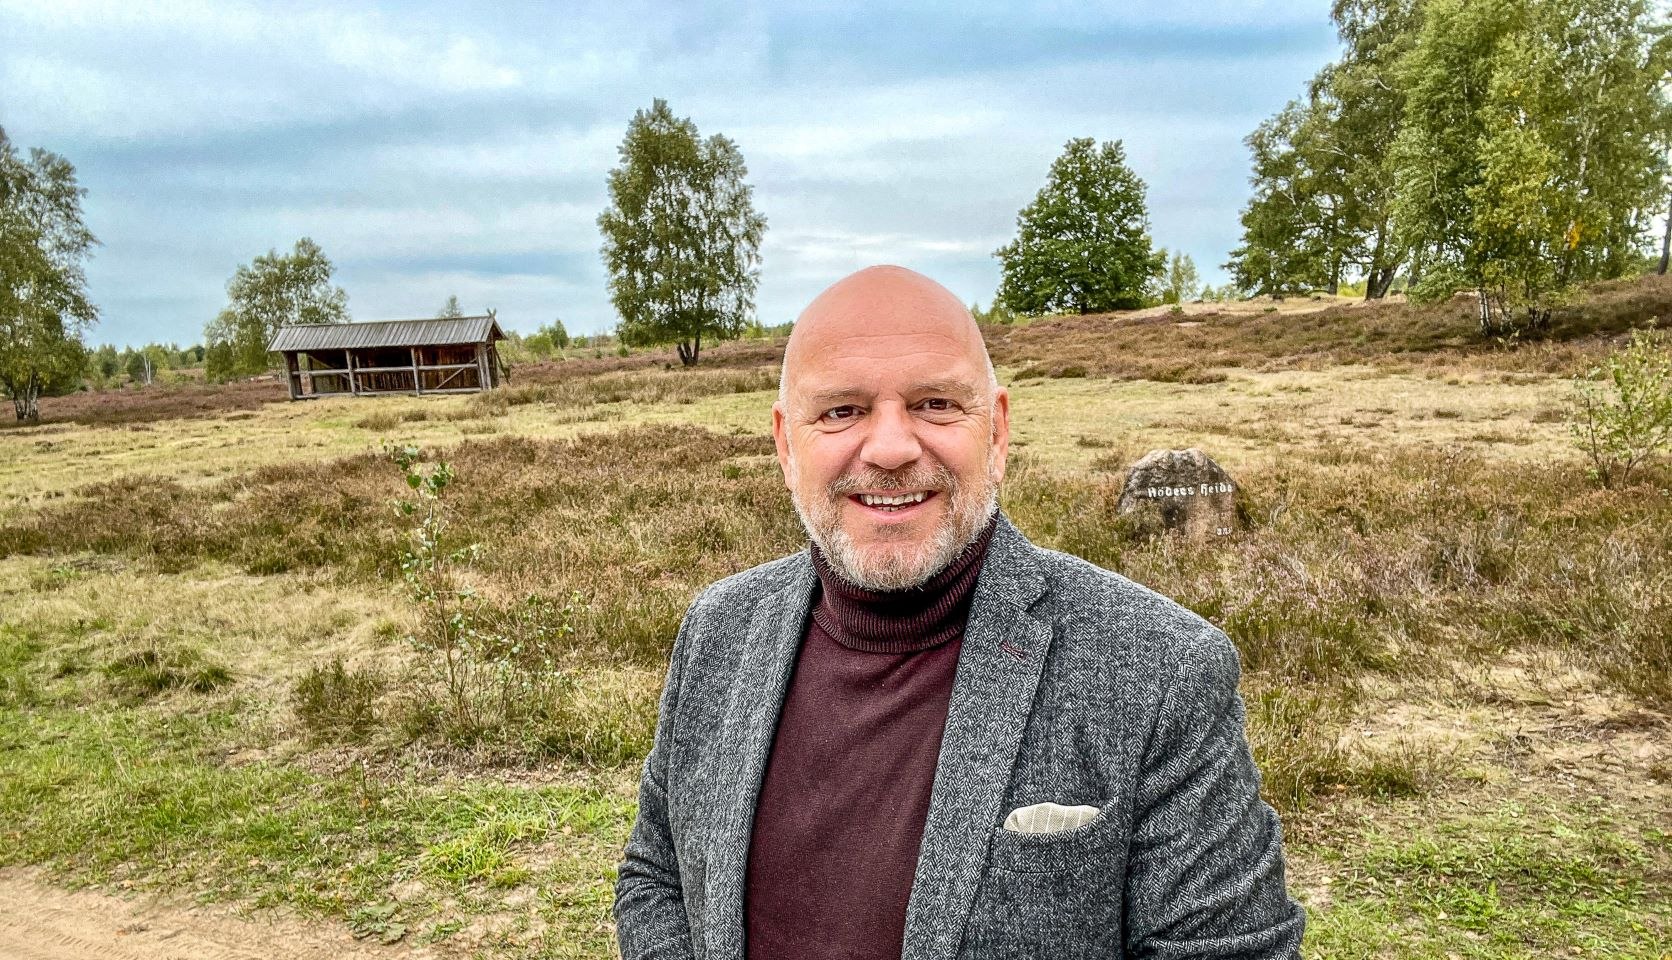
{"x":939,"y":404}
{"x":841,"y":413}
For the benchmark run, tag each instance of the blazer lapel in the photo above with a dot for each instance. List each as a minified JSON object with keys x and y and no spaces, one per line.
{"x":993,"y":688}
{"x":757,"y":694}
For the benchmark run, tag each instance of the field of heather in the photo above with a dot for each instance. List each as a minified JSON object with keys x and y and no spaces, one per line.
{"x":217,"y":686}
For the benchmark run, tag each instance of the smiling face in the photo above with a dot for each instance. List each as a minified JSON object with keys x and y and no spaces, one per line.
{"x":890,"y":428}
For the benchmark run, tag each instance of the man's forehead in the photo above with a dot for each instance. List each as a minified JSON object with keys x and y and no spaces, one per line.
{"x":867,"y":309}
{"x":885,"y":330}
{"x":828,"y":387}
{"x":885,"y":343}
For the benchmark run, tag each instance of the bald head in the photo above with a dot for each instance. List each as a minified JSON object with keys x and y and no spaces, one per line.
{"x":874,"y":311}
{"x":890,"y":427}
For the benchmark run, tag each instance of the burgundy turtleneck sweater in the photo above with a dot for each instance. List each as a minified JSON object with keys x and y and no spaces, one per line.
{"x":846,"y":791}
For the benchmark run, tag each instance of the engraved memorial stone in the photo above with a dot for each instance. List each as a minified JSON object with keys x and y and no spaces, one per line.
{"x":1180,"y":490}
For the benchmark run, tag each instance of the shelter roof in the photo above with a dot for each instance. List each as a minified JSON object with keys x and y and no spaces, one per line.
{"x":387,"y":333}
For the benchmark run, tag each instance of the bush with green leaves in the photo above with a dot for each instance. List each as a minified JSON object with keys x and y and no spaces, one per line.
{"x":999,"y":313}
{"x":548,"y":340}
{"x":1623,"y":408}
{"x":492,"y":674}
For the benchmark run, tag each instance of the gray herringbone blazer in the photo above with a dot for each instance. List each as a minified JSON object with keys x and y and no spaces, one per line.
{"x":1075,"y":686}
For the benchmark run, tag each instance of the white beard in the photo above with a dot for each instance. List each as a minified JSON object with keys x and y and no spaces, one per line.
{"x":890,"y":567}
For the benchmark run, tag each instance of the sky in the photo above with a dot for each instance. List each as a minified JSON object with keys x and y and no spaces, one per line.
{"x":443,"y":148}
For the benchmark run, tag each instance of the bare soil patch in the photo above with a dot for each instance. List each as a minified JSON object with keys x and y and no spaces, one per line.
{"x":41,"y":922}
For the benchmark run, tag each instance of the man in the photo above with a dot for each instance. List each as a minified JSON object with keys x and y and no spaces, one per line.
{"x":924,"y":737}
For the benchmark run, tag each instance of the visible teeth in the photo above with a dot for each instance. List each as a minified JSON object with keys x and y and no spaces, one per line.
{"x":872,"y":500}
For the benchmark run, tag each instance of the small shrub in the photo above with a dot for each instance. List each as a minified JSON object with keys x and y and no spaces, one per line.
{"x":17,"y":686}
{"x":1623,"y":408}
{"x":1640,"y":661}
{"x":381,"y":420}
{"x":389,"y":419}
{"x":1292,"y":731}
{"x":1117,"y":462}
{"x":497,"y":675}
{"x":337,"y":704}
{"x":146,"y":673}
{"x":1184,"y":373}
{"x":1401,"y":768}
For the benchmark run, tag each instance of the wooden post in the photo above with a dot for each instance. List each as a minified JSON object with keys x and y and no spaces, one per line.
{"x":291,"y":374}
{"x":417,"y":381}
{"x":353,"y":381}
{"x":481,"y":368}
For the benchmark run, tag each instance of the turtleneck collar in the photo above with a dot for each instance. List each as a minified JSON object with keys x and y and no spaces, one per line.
{"x":900,"y":621}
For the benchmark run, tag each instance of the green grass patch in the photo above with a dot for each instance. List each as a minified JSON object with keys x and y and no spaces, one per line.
{"x":1578,"y":878}
{"x":125,"y":794}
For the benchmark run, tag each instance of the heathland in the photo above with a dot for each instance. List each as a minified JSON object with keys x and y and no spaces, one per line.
{"x":220,"y":675}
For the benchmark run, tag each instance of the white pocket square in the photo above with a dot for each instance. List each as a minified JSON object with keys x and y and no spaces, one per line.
{"x":1048,"y":818}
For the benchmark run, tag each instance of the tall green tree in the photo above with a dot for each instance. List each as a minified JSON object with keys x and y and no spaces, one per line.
{"x":272,"y":291}
{"x":1530,"y":157}
{"x":1083,"y":244}
{"x":681,"y":236}
{"x":451,"y":309}
{"x":1322,"y":207}
{"x":44,"y":307}
{"x":1181,"y":283}
{"x":1305,"y":227}
{"x":106,"y":362}
{"x":1364,"y":84}
{"x":1286,"y":224}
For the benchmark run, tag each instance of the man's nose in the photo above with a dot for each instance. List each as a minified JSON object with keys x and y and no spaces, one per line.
{"x":892,"y":441}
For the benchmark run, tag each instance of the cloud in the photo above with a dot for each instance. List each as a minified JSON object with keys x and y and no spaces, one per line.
{"x":435,"y":150}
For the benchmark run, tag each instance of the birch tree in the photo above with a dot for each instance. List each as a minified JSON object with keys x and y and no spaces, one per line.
{"x":271,"y":291}
{"x":681,"y":236}
{"x":1530,"y":157}
{"x":44,"y":307}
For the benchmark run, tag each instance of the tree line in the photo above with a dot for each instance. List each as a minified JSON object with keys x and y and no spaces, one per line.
{"x":1512,"y":148}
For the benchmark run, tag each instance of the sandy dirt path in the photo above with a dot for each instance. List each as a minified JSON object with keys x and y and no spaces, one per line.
{"x":41,"y":922}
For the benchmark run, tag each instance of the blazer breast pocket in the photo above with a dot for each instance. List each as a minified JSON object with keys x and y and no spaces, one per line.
{"x":1090,"y":843}
{"x":1055,"y":895}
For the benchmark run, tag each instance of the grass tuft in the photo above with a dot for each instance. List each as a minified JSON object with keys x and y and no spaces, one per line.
{"x":338,"y":704}
{"x":147,"y":673}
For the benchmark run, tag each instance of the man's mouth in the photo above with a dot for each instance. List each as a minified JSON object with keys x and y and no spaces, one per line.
{"x":892,"y":502}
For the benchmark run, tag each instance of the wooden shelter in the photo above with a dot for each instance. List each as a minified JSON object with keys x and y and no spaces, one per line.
{"x":454,"y":355}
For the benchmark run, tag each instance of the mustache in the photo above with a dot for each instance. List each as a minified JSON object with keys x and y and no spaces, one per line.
{"x":924,"y":477}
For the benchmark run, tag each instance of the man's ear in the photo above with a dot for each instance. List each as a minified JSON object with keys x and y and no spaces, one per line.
{"x":781,"y":440}
{"x":1001,"y":431}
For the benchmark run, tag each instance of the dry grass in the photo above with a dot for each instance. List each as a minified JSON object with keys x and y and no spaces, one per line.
{"x":1439,"y":619}
{"x":1245,"y":418}
{"x":1357,"y":562}
{"x":1195,"y":347}
{"x":44,"y":463}
{"x":639,"y":387}
{"x":162,"y":402}
{"x":635,"y":520}
{"x":733,"y":354}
